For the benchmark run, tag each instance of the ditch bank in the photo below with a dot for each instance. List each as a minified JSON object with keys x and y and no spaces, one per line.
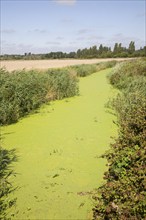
{"x":58,"y":150}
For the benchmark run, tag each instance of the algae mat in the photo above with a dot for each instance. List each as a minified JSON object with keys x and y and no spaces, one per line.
{"x":58,"y":150}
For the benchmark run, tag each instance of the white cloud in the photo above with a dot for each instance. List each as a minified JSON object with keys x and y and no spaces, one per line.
{"x":83,"y":31}
{"x":66,"y":2}
{"x":125,"y":40}
{"x":21,"y":48}
{"x":59,"y":38}
{"x":39,"y":31}
{"x":8,"y":31}
{"x":73,"y":43}
{"x":53,"y":43}
{"x":66,"y":20}
{"x":80,"y":38}
{"x":94,"y":37}
{"x":14,"y":48}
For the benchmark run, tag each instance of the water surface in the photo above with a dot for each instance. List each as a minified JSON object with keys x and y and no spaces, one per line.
{"x":58,"y":150}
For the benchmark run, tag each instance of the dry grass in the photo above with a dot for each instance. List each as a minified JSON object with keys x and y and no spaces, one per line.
{"x":45,"y":64}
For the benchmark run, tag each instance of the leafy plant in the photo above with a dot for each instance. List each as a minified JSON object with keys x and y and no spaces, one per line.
{"x":7,"y":157}
{"x":123,"y":194}
{"x":125,"y":72}
{"x":24,"y":91}
{"x":84,"y":69}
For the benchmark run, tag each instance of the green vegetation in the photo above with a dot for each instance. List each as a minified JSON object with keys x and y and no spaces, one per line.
{"x":87,"y":69}
{"x":123,"y":194}
{"x":7,"y":157}
{"x":63,"y":83}
{"x":128,"y":72}
{"x":92,"y":52}
{"x":24,"y":91}
{"x":58,"y":149}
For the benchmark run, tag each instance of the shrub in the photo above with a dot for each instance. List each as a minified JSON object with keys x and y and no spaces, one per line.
{"x":87,"y":69}
{"x":24,"y":91}
{"x":123,"y":194}
{"x":105,"y":65}
{"x":62,"y":83}
{"x":124,"y":72}
{"x":21,"y":92}
{"x":7,"y":157}
{"x":84,"y":69}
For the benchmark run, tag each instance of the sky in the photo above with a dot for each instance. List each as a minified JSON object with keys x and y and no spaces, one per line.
{"x":42,"y":26}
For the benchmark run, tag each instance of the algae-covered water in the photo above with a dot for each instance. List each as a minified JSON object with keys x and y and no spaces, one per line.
{"x":58,"y":151}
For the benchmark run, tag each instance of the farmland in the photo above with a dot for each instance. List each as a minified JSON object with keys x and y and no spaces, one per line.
{"x":72,"y":110}
{"x":64,"y":145}
{"x":45,"y":64}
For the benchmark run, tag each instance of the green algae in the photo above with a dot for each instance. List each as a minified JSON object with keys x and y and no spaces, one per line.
{"x":58,"y":151}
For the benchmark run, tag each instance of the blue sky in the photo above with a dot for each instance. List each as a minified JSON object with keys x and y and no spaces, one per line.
{"x":39,"y":26}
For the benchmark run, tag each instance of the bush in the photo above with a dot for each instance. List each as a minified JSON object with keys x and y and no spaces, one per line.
{"x":105,"y":65}
{"x":62,"y":84}
{"x":24,"y":91}
{"x":124,"y":72}
{"x":6,"y":160}
{"x":84,"y":69}
{"x":124,"y":192}
{"x":21,"y":92}
{"x":87,"y":69}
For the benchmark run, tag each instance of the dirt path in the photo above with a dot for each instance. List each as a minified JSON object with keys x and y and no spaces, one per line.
{"x":58,"y":148}
{"x":45,"y":64}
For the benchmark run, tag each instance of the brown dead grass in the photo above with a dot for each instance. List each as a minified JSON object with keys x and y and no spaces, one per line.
{"x":46,"y":64}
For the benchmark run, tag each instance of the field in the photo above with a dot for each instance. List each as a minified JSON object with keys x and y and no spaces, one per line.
{"x":45,"y":64}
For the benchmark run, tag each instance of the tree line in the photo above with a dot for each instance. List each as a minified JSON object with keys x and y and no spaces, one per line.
{"x":86,"y":53}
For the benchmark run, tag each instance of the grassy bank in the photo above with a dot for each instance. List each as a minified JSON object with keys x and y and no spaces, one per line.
{"x":123,"y":194}
{"x":58,"y":152}
{"x":7,"y":157}
{"x":25,"y":91}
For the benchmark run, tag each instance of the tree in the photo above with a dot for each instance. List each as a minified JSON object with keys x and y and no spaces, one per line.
{"x":115,"y":48}
{"x":131,"y":48}
{"x":100,"y":49}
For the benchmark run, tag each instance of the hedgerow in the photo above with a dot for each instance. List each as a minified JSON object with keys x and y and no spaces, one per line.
{"x":123,"y":194}
{"x":7,"y":157}
{"x":105,"y":65}
{"x":84,"y":69}
{"x":24,"y":91}
{"x":62,"y":83}
{"x":126,"y":72}
{"x":87,"y":69}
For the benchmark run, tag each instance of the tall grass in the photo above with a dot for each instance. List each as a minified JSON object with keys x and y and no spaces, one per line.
{"x":7,"y":157}
{"x":123,"y":194}
{"x":87,"y":69}
{"x":23,"y":91}
{"x":84,"y":69}
{"x":126,"y":72}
